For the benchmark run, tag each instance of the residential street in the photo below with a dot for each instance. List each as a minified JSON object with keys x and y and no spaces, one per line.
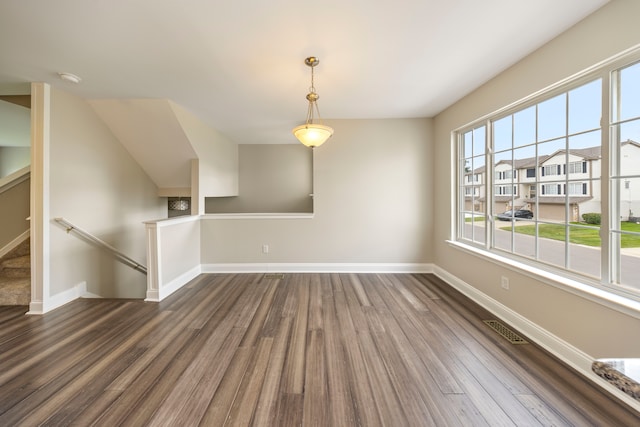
{"x":584,"y":259}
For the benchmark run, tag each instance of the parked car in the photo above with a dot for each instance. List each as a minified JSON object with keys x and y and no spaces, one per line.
{"x":517,"y":214}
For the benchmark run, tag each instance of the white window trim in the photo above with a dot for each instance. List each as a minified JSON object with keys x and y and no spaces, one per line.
{"x":617,"y":299}
{"x":590,"y":290}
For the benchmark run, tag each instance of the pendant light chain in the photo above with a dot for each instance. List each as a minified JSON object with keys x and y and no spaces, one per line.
{"x":312,"y":97}
{"x":312,"y":89}
{"x":312,"y":134}
{"x":310,"y":112}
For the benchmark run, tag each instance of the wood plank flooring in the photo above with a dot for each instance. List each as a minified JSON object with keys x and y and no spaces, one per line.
{"x":305,"y":349}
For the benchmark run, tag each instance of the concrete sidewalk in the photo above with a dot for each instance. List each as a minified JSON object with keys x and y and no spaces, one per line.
{"x":583,"y":259}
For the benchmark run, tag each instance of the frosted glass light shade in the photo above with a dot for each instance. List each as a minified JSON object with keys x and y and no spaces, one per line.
{"x":312,"y":135}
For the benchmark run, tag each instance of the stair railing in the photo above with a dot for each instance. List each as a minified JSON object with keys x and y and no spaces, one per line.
{"x":102,"y":244}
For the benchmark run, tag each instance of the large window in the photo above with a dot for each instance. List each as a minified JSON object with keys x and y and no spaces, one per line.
{"x":586,"y":216}
{"x":625,"y":175}
{"x":473,"y":201}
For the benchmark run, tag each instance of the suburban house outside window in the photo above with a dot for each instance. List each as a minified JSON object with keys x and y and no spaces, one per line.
{"x":473,"y":164}
{"x":575,"y":165}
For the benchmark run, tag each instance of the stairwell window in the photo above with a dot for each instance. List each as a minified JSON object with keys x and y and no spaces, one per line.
{"x":624,"y":126}
{"x":588,"y":163}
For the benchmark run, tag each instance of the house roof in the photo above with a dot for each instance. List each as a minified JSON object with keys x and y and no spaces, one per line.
{"x":588,"y":153}
{"x":630,"y":142}
{"x":523,"y":163}
{"x":481,"y":169}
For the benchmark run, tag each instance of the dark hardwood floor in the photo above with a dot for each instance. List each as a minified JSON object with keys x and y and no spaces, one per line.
{"x":306,"y":349}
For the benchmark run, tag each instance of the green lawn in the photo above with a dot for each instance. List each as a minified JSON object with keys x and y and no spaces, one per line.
{"x":587,"y":235}
{"x":475,"y":218}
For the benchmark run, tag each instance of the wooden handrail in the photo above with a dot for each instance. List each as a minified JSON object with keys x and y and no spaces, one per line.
{"x":102,"y":244}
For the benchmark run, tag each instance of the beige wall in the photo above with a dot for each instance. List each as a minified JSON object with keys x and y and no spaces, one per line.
{"x":272,"y":178}
{"x":217,"y":156}
{"x":96,"y":185}
{"x":592,"y":328}
{"x":14,"y":211}
{"x":373,"y":203}
{"x":13,"y":159}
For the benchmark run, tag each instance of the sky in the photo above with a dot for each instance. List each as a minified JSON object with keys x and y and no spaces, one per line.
{"x":575,"y":113}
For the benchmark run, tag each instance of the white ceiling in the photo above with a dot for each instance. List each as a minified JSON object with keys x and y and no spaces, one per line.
{"x":238,"y":65}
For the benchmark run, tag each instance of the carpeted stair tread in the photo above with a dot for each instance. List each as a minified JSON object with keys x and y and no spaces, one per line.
{"x":16,"y":268}
{"x":15,"y":276}
{"x":15,"y":291}
{"x":23,"y":261}
{"x":23,"y":248}
{"x":16,"y":273}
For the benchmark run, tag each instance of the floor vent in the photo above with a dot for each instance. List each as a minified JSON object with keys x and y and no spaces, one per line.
{"x":507,"y":333}
{"x":274,"y":276}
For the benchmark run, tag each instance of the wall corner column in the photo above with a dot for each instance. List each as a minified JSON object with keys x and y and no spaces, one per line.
{"x":39,"y":198}
{"x":154,"y":272}
{"x":197,"y":201}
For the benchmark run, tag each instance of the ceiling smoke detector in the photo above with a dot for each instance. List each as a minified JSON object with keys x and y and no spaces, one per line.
{"x":71,"y":78}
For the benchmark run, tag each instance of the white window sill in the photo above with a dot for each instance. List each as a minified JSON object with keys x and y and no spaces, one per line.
{"x":598,"y":294}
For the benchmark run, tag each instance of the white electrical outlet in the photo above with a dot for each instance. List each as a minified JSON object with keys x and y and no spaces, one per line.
{"x":504,"y":282}
{"x":265,"y":249}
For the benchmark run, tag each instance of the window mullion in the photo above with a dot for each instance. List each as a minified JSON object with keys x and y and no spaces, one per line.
{"x":567,"y":196}
{"x":489,"y":189}
{"x":609,"y":256}
{"x":459,"y":185}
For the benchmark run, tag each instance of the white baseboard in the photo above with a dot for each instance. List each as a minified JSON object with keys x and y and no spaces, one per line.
{"x":35,"y":307}
{"x":14,"y":243}
{"x":65,"y":297}
{"x":173,"y":285}
{"x":152,"y":296}
{"x":317,"y":268}
{"x":572,"y":356}
{"x":89,"y":295}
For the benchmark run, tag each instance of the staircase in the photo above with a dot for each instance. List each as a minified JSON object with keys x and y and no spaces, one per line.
{"x":15,"y":276}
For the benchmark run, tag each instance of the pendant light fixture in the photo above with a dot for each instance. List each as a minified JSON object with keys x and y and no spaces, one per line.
{"x":312,"y":134}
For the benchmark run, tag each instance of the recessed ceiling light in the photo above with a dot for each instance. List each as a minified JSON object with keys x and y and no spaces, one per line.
{"x":71,"y":78}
